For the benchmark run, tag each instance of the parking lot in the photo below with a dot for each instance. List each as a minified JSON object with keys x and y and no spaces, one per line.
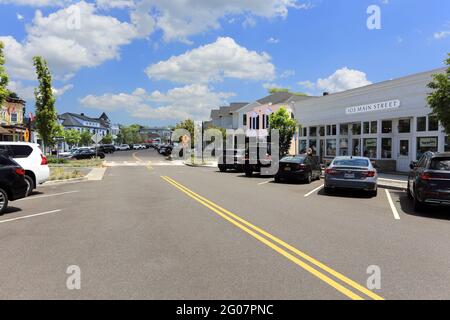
{"x":154,"y":230}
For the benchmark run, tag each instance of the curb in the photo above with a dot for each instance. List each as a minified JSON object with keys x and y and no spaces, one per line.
{"x":198,"y":165}
{"x":387,"y":186}
{"x":49,"y":183}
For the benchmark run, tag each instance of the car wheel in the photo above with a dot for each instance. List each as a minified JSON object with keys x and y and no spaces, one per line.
{"x":277,"y":179}
{"x":408,"y":192}
{"x":30,"y":185}
{"x":374,"y":193}
{"x":327,"y":190}
{"x":222,"y":168}
{"x":308,"y":179}
{"x":418,"y":205}
{"x":3,"y":201}
{"x":248,"y":173}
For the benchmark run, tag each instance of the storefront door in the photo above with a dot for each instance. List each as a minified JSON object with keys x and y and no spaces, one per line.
{"x":404,"y":155}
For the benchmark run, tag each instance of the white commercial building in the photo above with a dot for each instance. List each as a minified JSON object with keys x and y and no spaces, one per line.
{"x":389,"y":122}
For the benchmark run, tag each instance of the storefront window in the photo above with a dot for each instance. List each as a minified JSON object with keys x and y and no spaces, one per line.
{"x":305,"y":132}
{"x":331,"y":130}
{"x":366,"y":128}
{"x":313,"y":146}
{"x":344,"y":130}
{"x":331,"y":147}
{"x":322,"y":131}
{"x":386,"y":126}
{"x":370,"y":148}
{"x":421,"y":124}
{"x":447,"y":144}
{"x":386,"y":148}
{"x":404,"y":126}
{"x":356,"y":129}
{"x":433,"y":123}
{"x":374,"y":127}
{"x":356,"y":148}
{"x":343,"y":147}
{"x":302,"y":146}
{"x":425,"y":144}
{"x":404,"y":148}
{"x":313,"y":131}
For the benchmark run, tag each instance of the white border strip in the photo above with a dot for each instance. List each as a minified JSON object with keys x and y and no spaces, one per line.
{"x":391,"y":203}
{"x":316,"y":189}
{"x":31,"y":216}
{"x":48,"y":195}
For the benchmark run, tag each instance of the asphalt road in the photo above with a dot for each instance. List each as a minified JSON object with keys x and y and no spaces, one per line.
{"x":155,"y":231}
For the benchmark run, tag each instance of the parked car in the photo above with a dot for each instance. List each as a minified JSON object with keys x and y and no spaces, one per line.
{"x":303,"y":168}
{"x":12,"y":181}
{"x":106,"y":148}
{"x":355,"y":173}
{"x":82,"y":154}
{"x":29,"y":156}
{"x":255,"y":165}
{"x":138,"y":147}
{"x":124,"y":147}
{"x":68,"y":153}
{"x":236,"y":164}
{"x":429,"y":180}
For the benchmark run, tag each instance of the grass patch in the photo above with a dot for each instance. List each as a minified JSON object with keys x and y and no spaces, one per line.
{"x":88,"y":163}
{"x":64,"y":174}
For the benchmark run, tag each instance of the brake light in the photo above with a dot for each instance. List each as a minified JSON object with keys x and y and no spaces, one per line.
{"x":20,"y":171}
{"x":330,"y":171}
{"x":43,"y":160}
{"x":425,"y":176}
{"x":369,"y":174}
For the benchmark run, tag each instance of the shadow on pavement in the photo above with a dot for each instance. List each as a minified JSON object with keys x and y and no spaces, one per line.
{"x":430,"y":212}
{"x":359,"y":194}
{"x":10,"y":210}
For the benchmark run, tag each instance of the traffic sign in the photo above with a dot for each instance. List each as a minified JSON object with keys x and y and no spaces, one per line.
{"x":96,"y":138}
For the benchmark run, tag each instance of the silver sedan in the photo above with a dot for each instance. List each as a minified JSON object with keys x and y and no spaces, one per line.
{"x":351,"y":173}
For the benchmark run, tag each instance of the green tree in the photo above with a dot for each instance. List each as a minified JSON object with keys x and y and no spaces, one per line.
{"x":72,"y":137}
{"x":276,"y":90}
{"x":86,"y":138}
{"x":107,"y":139}
{"x":129,"y":135}
{"x":46,"y":116}
{"x":4,"y":92}
{"x":287,"y":127}
{"x":188,"y":125}
{"x":439,"y":99}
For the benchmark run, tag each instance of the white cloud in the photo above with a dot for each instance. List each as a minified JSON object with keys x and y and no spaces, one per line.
{"x":115,"y":4}
{"x":192,"y":101}
{"x":36,"y":3}
{"x":214,"y":62}
{"x":343,"y":79}
{"x":19,"y":17}
{"x":27,"y":92}
{"x":181,"y":19}
{"x":273,"y":40}
{"x":441,"y":35}
{"x":66,"y":49}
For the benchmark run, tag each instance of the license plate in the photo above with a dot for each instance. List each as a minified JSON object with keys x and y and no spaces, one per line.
{"x":349,"y":176}
{"x":287,"y":169}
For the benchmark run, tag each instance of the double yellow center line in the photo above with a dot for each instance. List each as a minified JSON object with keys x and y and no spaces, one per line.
{"x":315,"y":267}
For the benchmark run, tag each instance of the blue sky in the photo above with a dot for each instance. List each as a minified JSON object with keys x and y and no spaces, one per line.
{"x":155,"y":62}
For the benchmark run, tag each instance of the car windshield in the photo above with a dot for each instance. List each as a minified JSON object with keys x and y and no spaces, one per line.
{"x":440,"y":164}
{"x":296,"y":159}
{"x":351,"y":162}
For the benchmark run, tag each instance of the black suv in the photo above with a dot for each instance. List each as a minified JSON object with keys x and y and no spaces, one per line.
{"x":106,"y":148}
{"x":12,"y":181}
{"x":429,"y":180}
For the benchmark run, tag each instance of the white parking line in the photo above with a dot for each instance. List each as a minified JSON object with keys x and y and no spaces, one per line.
{"x":315,"y":190}
{"x":393,"y":208}
{"x":265,"y":182}
{"x":48,"y":195}
{"x":30,"y":216}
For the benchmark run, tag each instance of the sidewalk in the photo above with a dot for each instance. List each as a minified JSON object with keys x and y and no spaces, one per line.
{"x":393,"y":181}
